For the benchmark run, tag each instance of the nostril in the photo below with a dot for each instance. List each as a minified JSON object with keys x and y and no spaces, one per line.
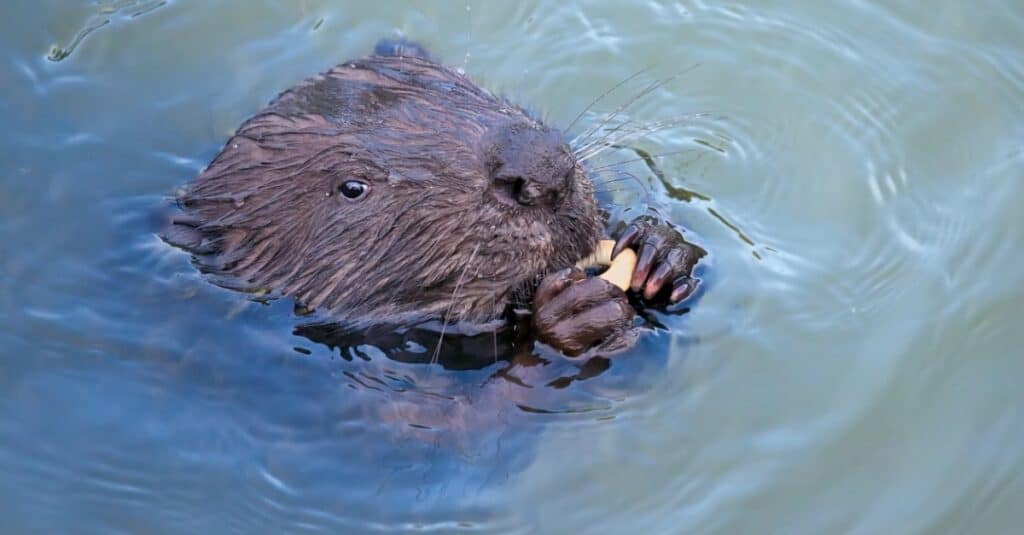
{"x":517,"y":187}
{"x":529,"y":192}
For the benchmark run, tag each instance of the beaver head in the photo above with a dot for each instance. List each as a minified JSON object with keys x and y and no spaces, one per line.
{"x":392,"y":188}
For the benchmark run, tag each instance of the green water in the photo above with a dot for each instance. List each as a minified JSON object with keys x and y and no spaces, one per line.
{"x":853,"y":365}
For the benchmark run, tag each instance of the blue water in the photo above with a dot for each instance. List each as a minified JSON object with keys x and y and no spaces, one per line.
{"x":852,"y":365}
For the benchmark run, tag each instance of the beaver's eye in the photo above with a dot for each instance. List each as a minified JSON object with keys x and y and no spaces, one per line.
{"x":353,"y":189}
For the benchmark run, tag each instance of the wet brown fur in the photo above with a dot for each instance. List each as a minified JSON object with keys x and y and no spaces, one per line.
{"x":434,"y":237}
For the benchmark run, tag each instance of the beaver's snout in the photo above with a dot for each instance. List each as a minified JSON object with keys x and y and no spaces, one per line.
{"x":528,"y":165}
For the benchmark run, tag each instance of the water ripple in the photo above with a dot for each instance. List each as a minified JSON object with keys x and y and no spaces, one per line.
{"x":855,"y":179}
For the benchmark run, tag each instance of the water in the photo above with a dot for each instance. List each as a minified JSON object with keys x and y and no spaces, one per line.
{"x":850,"y":367}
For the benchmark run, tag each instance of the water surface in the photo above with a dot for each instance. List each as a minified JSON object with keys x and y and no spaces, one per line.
{"x":850,"y":367}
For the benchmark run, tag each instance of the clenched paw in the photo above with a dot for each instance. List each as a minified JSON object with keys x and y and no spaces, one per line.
{"x":666,"y":260}
{"x":574,"y":313}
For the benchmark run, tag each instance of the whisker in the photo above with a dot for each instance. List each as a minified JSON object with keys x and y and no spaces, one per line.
{"x":630,"y":126}
{"x":631,"y":160}
{"x":614,"y":190}
{"x":605,"y":94}
{"x":623,"y":176}
{"x":621,"y":126}
{"x":636,"y":130}
{"x":494,"y":332}
{"x":611,"y":181}
{"x":627,"y":175}
{"x":622,"y":131}
{"x":653,"y":86}
{"x":651,"y":126}
{"x":451,"y":305}
{"x":618,"y":142}
{"x":615,"y":113}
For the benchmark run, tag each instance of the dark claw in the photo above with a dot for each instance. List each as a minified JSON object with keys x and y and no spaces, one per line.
{"x":682,"y":288}
{"x":644,"y":263}
{"x":663,"y":256}
{"x":657,"y":280}
{"x":626,"y":239}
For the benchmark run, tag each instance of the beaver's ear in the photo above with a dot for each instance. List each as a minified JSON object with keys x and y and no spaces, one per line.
{"x":400,"y":48}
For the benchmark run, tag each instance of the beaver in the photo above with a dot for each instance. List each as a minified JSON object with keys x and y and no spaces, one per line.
{"x":393,"y":190}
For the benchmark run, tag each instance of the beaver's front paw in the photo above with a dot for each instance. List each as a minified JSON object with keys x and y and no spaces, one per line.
{"x":574,"y":313}
{"x":666,"y":260}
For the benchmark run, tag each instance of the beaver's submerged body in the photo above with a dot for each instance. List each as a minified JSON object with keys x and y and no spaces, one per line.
{"x":393,"y":189}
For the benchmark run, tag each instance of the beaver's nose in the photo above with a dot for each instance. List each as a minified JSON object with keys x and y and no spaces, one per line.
{"x":531,"y":166}
{"x":530,"y":190}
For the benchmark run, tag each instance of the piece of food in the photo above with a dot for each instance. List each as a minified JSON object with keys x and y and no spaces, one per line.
{"x":620,"y":269}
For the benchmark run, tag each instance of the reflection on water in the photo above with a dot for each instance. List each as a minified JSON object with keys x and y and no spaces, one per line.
{"x":853,"y":168}
{"x":105,"y":12}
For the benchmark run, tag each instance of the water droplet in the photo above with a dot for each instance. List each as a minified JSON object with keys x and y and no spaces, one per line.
{"x":57,"y":53}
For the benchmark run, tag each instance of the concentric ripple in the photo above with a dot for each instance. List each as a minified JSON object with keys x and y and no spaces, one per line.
{"x":849,"y":365}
